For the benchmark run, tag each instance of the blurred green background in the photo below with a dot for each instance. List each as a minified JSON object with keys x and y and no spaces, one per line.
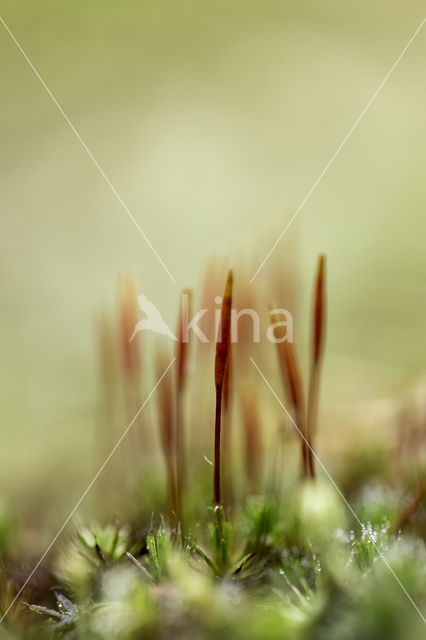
{"x":212,"y":120}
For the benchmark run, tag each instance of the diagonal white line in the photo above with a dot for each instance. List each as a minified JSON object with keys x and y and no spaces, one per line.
{"x":89,"y":153}
{"x":340,"y":147}
{"x":338,"y":491}
{"x":84,"y":494}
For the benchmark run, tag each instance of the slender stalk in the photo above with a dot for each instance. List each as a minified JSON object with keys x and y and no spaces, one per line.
{"x":318,"y":339}
{"x":167,"y":437}
{"x":179,"y":461}
{"x":181,"y":358}
{"x":227,"y":435}
{"x":252,"y":440}
{"x":217,"y":434}
{"x":130,"y":356}
{"x":222,"y":351}
{"x":296,"y":390}
{"x":293,"y":388}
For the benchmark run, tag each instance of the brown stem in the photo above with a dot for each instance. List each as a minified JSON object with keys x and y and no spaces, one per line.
{"x":228,"y":491}
{"x":313,"y":395}
{"x":221,"y":361}
{"x":173,"y":507}
{"x":318,"y":339}
{"x":293,"y":388}
{"x":180,"y":459}
{"x":304,"y":449}
{"x":182,"y":356}
{"x":217,"y":429}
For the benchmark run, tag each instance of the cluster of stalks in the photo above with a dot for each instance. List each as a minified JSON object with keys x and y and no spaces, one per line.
{"x":305,"y":418}
{"x":171,"y":395}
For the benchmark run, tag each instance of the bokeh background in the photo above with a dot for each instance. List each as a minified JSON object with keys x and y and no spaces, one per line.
{"x":212,"y":120}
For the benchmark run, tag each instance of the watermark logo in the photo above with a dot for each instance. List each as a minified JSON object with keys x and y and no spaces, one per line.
{"x":281,"y":330}
{"x":153,"y":320}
